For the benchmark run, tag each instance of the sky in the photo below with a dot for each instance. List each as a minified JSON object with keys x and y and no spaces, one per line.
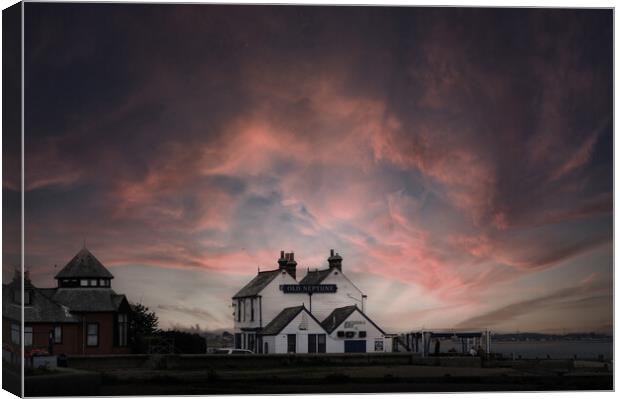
{"x":460,"y":160}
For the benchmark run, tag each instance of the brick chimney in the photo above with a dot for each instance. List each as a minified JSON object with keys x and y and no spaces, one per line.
{"x":282,"y":261}
{"x":334,"y":260}
{"x":287,"y":262}
{"x":291,"y":265}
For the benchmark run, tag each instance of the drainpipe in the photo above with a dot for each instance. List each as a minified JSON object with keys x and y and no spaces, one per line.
{"x":260,"y":311}
{"x":83,"y":334}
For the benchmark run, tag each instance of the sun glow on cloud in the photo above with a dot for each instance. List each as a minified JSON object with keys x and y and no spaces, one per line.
{"x":209,"y":149}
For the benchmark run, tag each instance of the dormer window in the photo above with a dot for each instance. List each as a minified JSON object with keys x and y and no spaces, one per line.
{"x":17,"y":297}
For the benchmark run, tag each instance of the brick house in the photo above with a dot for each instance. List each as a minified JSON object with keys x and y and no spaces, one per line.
{"x":81,"y":316}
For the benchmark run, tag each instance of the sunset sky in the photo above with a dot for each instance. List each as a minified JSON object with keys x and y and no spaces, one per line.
{"x":460,"y":160}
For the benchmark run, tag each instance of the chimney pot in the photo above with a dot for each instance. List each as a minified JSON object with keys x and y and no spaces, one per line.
{"x":331,"y":252}
{"x":281,"y":254}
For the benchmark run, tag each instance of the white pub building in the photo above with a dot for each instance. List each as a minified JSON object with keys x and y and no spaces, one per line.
{"x":321,"y":313}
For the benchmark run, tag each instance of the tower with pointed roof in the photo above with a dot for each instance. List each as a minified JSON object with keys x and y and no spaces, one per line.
{"x":82,"y":315}
{"x":84,"y":270}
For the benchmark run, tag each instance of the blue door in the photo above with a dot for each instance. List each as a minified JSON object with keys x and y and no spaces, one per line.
{"x":355,"y":346}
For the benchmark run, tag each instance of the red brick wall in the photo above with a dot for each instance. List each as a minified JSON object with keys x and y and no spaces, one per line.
{"x":73,"y":336}
{"x":6,"y":330}
{"x":106,"y":334}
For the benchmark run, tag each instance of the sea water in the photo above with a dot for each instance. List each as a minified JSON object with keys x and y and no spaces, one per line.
{"x":554,"y":349}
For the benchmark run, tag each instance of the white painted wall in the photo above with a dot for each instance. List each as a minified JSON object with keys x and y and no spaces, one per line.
{"x":272,"y":302}
{"x":347,"y":294}
{"x":356,"y":322}
{"x":303,"y":319}
{"x":275,"y":300}
{"x":270,"y":340}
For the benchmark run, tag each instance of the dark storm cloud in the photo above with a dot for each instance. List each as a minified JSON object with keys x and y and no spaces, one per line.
{"x":453,"y":149}
{"x":577,"y":297}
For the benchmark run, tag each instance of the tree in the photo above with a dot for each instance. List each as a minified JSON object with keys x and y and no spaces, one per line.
{"x":185,"y":342}
{"x":142,"y":325}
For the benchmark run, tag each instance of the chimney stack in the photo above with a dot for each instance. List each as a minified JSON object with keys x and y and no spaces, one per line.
{"x":282,"y":261}
{"x":334,"y":260}
{"x":291,"y":266}
{"x":287,"y":262}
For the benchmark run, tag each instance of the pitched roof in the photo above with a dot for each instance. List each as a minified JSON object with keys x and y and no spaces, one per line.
{"x":315,"y":277}
{"x":339,"y":315}
{"x":42,"y":309}
{"x":257,"y":284}
{"x":281,"y":320}
{"x":89,"y":299}
{"x":336,"y":317}
{"x":84,"y":265}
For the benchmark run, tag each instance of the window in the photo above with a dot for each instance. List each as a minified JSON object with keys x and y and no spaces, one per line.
{"x":17,"y":296}
{"x":58,"y":335}
{"x":340,"y":334}
{"x":27,"y":297}
{"x":27,"y":336}
{"x":362,"y":334}
{"x":92,"y":334}
{"x":291,"y":344}
{"x":238,"y":310}
{"x":122,"y":330}
{"x":15,"y":334}
{"x":321,"y":338}
{"x":266,"y":347}
{"x":251,"y":309}
{"x":237,"y":341}
{"x":83,"y":283}
{"x":316,"y":343}
{"x":311,"y":343}
{"x":92,"y":283}
{"x":251,"y":342}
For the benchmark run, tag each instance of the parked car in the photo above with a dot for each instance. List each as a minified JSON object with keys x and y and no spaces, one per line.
{"x":231,"y":351}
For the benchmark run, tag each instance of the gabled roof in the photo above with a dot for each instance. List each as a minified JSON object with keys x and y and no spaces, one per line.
{"x":42,"y":309}
{"x":84,"y":265}
{"x":257,"y":284}
{"x":315,"y":277}
{"x":284,"y":318}
{"x":89,"y":299}
{"x":281,"y":320}
{"x":339,"y":315}
{"x":336,"y":317}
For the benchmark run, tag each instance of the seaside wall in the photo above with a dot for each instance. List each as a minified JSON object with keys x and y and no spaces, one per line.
{"x":180,"y":362}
